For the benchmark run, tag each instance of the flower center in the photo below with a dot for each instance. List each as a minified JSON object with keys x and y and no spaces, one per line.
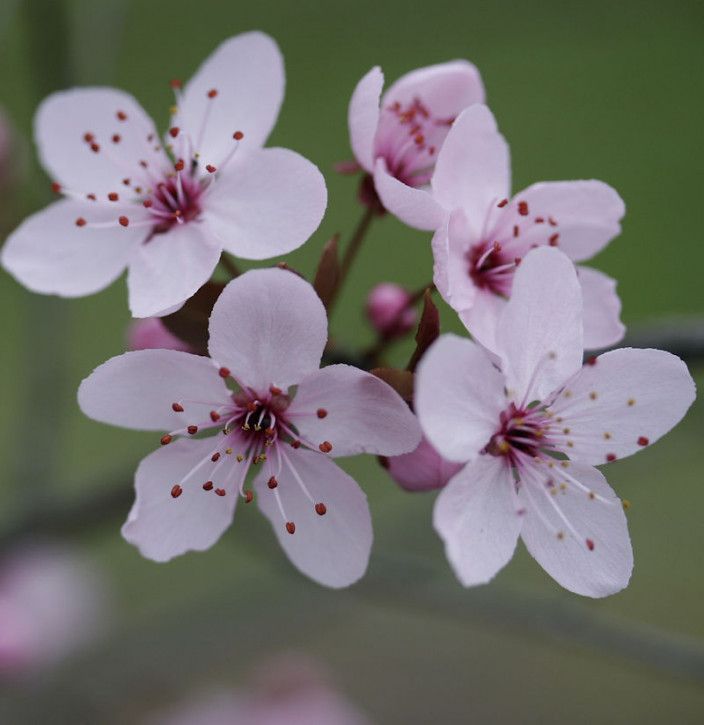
{"x":174,"y":201}
{"x":491,"y":268}
{"x":522,"y":432}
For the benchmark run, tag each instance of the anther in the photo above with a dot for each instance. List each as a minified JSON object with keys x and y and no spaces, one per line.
{"x":210,"y":168}
{"x":214,"y":416}
{"x":124,"y":221}
{"x":220,"y":491}
{"x":626,"y":504}
{"x":552,"y":241}
{"x":610,"y":457}
{"x":166,"y":439}
{"x":272,"y":482}
{"x":179,"y":165}
{"x":173,"y":132}
{"x":215,"y":457}
{"x":539,"y":220}
{"x":590,"y":545}
{"x":192,"y":429}
{"x":320,"y":509}
{"x":92,"y":197}
{"x":121,"y":116}
{"x":248,"y":496}
{"x":94,"y":147}
{"x":80,"y":222}
{"x":643,"y":441}
{"x":147,"y":203}
{"x":176,"y":83}
{"x":176,"y":491}
{"x":296,"y":444}
{"x":224,"y":372}
{"x":56,"y":188}
{"x":177,"y":407}
{"x":290,"y":527}
{"x":274,"y":390}
{"x":113,"y":196}
{"x":126,"y":182}
{"x":238,"y":135}
{"x":321,"y":413}
{"x":208,"y":486}
{"x":502,"y":203}
{"x":325,"y":446}
{"x":523,"y":208}
{"x":88,"y":137}
{"x":228,"y":451}
{"x":212,"y":93}
{"x":116,"y":138}
{"x":240,"y":458}
{"x":591,"y":360}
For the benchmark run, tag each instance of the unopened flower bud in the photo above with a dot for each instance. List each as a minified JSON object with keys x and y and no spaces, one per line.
{"x":423,"y":469}
{"x":151,"y":334}
{"x":389,"y":310}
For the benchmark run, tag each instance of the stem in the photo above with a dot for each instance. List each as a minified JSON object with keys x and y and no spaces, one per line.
{"x":231,"y":268}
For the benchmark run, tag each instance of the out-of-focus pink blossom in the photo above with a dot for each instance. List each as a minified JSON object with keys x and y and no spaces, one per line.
{"x":285,"y":421}
{"x":288,"y":690}
{"x":151,"y":334}
{"x":389,"y":310}
{"x":52,"y":601}
{"x":424,"y":469}
{"x":167,"y":217}
{"x":531,"y":433}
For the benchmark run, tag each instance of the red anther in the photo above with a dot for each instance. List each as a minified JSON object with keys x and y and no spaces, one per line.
{"x":251,"y":406}
{"x":113,"y":196}
{"x":539,"y":220}
{"x":212,"y":93}
{"x":56,"y":188}
{"x":496,"y":247}
{"x":192,"y":429}
{"x":166,"y":439}
{"x":92,"y":197}
{"x":268,"y":432}
{"x":176,"y":83}
{"x":121,"y":116}
{"x":321,"y":413}
{"x":124,"y":221}
{"x":643,"y":441}
{"x":215,"y":457}
{"x":590,"y":545}
{"x":553,"y":240}
{"x":126,"y":182}
{"x":94,"y":147}
{"x":88,"y":137}
{"x":248,"y":496}
{"x":80,"y":222}
{"x":591,"y":360}
{"x":274,"y":390}
{"x":214,"y":416}
{"x":147,"y":203}
{"x":211,"y":169}
{"x":290,"y":527}
{"x":502,"y":203}
{"x":220,"y":491}
{"x":325,"y":446}
{"x":610,"y":457}
{"x":523,"y":208}
{"x":238,"y":135}
{"x":176,"y":491}
{"x":419,"y":139}
{"x":272,"y":482}
{"x":116,"y":138}
{"x":515,"y":230}
{"x":143,"y":164}
{"x":224,"y":372}
{"x":552,"y":222}
{"x":296,"y":444}
{"x":179,"y":165}
{"x":208,"y":486}
{"x":517,"y":261}
{"x":320,"y":509}
{"x":177,"y":407}
{"x":173,"y":131}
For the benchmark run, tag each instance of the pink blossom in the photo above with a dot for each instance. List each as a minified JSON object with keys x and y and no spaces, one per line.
{"x":267,"y":334}
{"x":166,"y":210}
{"x":424,"y":469}
{"x":150,"y":333}
{"x":396,"y":137}
{"x":531,"y":434}
{"x":482,"y":233}
{"x":390,"y":311}
{"x":51,"y":602}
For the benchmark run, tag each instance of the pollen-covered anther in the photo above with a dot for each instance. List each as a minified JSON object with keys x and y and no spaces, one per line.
{"x":502,"y":203}
{"x":176,"y":491}
{"x":56,"y":187}
{"x":240,"y":458}
{"x":113,"y":196}
{"x":147,"y":203}
{"x":212,"y":93}
{"x":215,"y":457}
{"x":523,"y":208}
{"x":593,"y":395}
{"x":590,"y":544}
{"x":121,"y":116}
{"x":290,"y":527}
{"x":325,"y":446}
{"x":321,"y":509}
{"x":220,"y":491}
{"x":248,"y":496}
{"x":174,"y":131}
{"x":643,"y":441}
{"x":272,"y":482}
{"x":80,"y":222}
{"x":626,"y":504}
{"x":224,"y":372}
{"x":166,"y":439}
{"x":124,"y":221}
{"x":553,"y":240}
{"x":177,"y":407}
{"x":631,"y":402}
{"x":238,"y":135}
{"x":116,"y":138}
{"x":180,"y":165}
{"x":321,"y":413}
{"x":95,"y":148}
{"x":208,"y":486}
{"x":214,"y":416}
{"x":610,"y":457}
{"x":192,"y":429}
{"x":210,"y":168}
{"x":560,"y":535}
{"x":296,"y":444}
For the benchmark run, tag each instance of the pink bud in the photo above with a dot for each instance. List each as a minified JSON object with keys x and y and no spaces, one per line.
{"x":151,"y":334}
{"x":423,"y":469}
{"x":389,"y":312}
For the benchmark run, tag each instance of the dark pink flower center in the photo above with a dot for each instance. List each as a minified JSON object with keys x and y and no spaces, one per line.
{"x":491,"y":268}
{"x":521,"y":432}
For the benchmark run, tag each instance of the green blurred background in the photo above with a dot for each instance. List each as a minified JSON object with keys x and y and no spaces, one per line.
{"x":581,"y":89}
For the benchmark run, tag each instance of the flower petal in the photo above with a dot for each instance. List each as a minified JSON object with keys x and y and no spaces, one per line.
{"x":576,"y":530}
{"x":623,"y":402}
{"x":268,"y":202}
{"x":539,"y":336}
{"x":473,"y":170}
{"x":602,"y":309}
{"x":482,"y":318}
{"x":423,"y":469}
{"x":247,"y":74}
{"x":415,"y":207}
{"x":60,"y":127}
{"x":450,"y":245}
{"x":581,"y":216}
{"x":362,"y":413}
{"x":169,"y":268}
{"x":137,"y":390}
{"x":162,"y":526}
{"x":459,"y":396}
{"x":363,"y":117}
{"x":50,"y":254}
{"x":332,"y":549}
{"x":476,"y":516}
{"x":268,"y":327}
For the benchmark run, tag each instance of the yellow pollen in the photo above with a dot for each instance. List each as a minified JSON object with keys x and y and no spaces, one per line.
{"x":626,"y":504}
{"x":631,"y":401}
{"x":570,"y":444}
{"x":563,"y":487}
{"x":565,"y":464}
{"x":567,"y":394}
{"x":228,"y":451}
{"x":566,"y":431}
{"x":607,"y":436}
{"x":240,"y":458}
{"x":504,"y":447}
{"x":173,"y":110}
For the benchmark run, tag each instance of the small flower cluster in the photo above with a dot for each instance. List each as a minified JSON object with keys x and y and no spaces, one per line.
{"x":509,"y":424}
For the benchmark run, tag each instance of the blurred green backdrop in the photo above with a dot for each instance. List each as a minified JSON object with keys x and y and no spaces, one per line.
{"x":581,"y":89}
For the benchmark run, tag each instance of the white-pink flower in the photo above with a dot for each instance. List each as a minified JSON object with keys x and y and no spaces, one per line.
{"x":165,"y":210}
{"x":285,"y":420}
{"x":482,"y":233}
{"x":396,"y":137}
{"x":531,"y":434}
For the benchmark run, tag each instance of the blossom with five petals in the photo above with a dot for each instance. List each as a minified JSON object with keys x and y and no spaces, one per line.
{"x":166,"y":210}
{"x":283,"y":419}
{"x":482,"y":234}
{"x":531,"y":434}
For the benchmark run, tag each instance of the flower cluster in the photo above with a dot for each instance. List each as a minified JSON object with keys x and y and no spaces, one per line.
{"x":509,"y":425}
